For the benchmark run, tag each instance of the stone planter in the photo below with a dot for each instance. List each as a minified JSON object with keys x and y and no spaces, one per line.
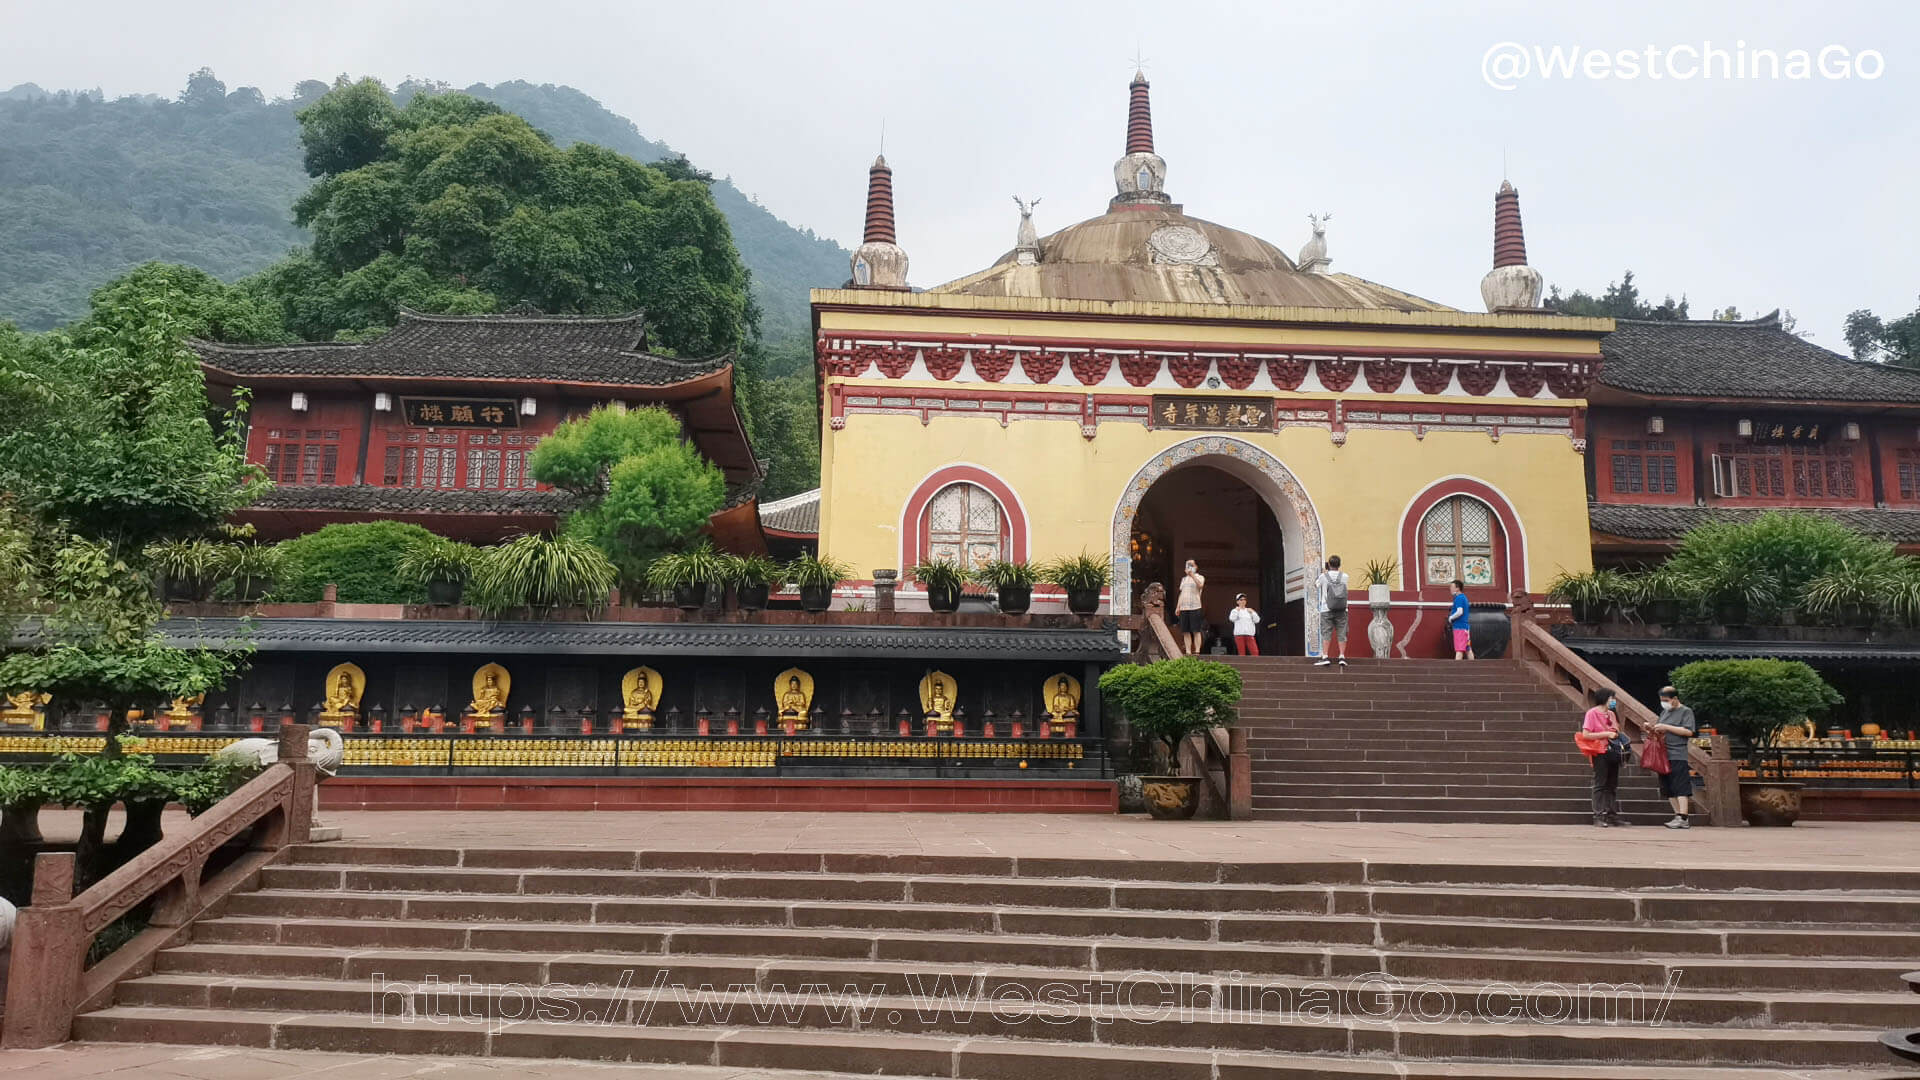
{"x":941,"y":600}
{"x":752,"y":597}
{"x":1770,"y":802}
{"x":444,"y":593}
{"x":1489,"y":629}
{"x":1380,"y":629}
{"x":816,"y":598}
{"x":690,"y":597}
{"x":1171,"y":798}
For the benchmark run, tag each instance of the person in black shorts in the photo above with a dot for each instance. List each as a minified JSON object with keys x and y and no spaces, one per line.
{"x":1679,"y":725}
{"x":1193,"y":618}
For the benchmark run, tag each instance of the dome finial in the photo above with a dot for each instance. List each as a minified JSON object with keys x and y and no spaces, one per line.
{"x":1140,"y":174}
{"x":879,"y":262}
{"x":1511,"y":284}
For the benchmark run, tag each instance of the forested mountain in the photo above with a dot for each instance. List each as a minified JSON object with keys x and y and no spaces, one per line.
{"x":90,"y":188}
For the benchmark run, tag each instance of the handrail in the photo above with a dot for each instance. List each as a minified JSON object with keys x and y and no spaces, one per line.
{"x":1549,"y":659}
{"x":47,"y":982}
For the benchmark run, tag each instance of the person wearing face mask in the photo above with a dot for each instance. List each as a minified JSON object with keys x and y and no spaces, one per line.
{"x":1604,"y":719}
{"x":1193,"y":621}
{"x":1678,"y":724}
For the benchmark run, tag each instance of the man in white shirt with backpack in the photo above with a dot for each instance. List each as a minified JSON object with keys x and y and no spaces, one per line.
{"x":1332,"y":587}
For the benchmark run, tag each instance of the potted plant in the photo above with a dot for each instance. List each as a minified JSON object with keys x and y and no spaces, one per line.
{"x":1012,"y":582}
{"x":754,"y":577}
{"x":252,"y":569}
{"x":1379,"y":576}
{"x":1082,"y":576}
{"x":439,"y":565}
{"x":1589,"y":594}
{"x":943,"y":581}
{"x":1166,"y":702}
{"x":690,"y":574}
{"x":541,"y":573}
{"x":187,"y":569}
{"x":1851,"y":594}
{"x":1752,"y":700}
{"x":816,"y":576}
{"x":1661,"y":594}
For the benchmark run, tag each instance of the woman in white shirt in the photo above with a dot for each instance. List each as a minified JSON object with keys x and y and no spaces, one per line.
{"x":1246,"y":623}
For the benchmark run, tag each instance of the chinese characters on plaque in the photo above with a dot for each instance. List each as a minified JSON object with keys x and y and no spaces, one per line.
{"x":1213,"y":413}
{"x":1789,"y":431}
{"x":460,"y":412}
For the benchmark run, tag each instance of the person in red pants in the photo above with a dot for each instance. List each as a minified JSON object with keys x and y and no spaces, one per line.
{"x":1246,"y":623}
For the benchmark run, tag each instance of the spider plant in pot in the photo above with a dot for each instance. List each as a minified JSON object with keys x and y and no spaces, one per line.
{"x":1851,"y":594}
{"x":1736,"y":593}
{"x":1380,"y":575}
{"x":816,"y":576}
{"x":943,"y":581}
{"x":1082,"y":576}
{"x":251,"y":569}
{"x":540,"y":573}
{"x":1012,"y":582}
{"x":754,"y":577}
{"x":439,"y":565}
{"x":1662,"y":595}
{"x":690,"y":574}
{"x":1589,"y":594}
{"x":186,"y":569}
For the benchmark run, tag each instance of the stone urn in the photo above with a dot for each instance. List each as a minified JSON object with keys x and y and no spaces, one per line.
{"x":1171,"y":798}
{"x":1770,"y":802}
{"x":1380,"y":629}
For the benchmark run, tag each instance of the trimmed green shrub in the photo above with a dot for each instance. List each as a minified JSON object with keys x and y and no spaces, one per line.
{"x":362,"y":559}
{"x":1751,"y":700}
{"x":1173,"y":699}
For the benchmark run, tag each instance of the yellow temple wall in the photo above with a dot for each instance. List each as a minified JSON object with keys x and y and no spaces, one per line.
{"x":1069,"y":486}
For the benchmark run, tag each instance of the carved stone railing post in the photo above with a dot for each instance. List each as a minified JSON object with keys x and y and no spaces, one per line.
{"x":49,"y":945}
{"x":1239,"y":776}
{"x":306,"y":791}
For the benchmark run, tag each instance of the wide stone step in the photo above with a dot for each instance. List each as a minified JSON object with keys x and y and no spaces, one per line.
{"x":1096,"y":909}
{"x":940,"y":1052}
{"x":528,"y":953}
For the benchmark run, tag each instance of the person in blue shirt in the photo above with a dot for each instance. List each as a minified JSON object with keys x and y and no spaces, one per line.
{"x":1457,"y":619}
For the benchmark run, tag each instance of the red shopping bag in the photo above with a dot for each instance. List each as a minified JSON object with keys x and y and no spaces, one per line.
{"x":1592,"y":743}
{"x":1653,"y":755}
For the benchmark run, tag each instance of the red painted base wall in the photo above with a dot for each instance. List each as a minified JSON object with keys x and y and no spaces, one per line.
{"x":718,"y":793}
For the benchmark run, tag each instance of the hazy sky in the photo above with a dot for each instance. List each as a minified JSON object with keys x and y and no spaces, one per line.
{"x":1761,"y":193}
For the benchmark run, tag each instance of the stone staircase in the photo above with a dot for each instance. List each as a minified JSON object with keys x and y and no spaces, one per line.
{"x":1420,"y":740}
{"x":1063,"y":968}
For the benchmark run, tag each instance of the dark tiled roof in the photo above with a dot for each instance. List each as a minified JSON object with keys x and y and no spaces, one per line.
{"x":365,"y":498}
{"x":605,"y":350}
{"x":793,"y":514}
{"x":1672,"y":522}
{"x":1842,"y":653}
{"x":620,"y":639}
{"x":1754,"y":359}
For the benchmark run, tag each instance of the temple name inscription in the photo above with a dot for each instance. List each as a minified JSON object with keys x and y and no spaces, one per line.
{"x":460,"y":412}
{"x":1212,"y":413}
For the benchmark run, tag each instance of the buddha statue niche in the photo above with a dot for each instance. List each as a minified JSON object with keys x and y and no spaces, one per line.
{"x":1062,"y":715}
{"x":937,"y":693}
{"x":488,"y":708}
{"x":639,"y":696}
{"x":792,"y":695}
{"x":26,"y":709}
{"x":340,"y":701}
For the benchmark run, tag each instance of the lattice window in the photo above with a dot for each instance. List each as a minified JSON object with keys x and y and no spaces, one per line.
{"x":1644,"y":465}
{"x":1907,"y":468}
{"x":1777,"y":472}
{"x":965,"y":524}
{"x":302,"y":456}
{"x":1458,"y":537}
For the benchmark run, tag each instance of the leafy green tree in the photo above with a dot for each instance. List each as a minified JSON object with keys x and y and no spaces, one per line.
{"x":204,"y":90}
{"x":1621,"y":300}
{"x":1886,"y":341}
{"x":106,"y":443}
{"x":1751,"y":700}
{"x":1172,"y":699}
{"x":450,"y":204}
{"x":645,"y":489}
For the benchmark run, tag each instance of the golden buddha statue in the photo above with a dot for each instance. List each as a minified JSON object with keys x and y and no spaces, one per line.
{"x":937,"y":693}
{"x":26,"y":709}
{"x":640,"y":691}
{"x":793,"y":696}
{"x":179,"y":712}
{"x":1064,"y":702}
{"x":489,"y":693}
{"x":342,"y":691}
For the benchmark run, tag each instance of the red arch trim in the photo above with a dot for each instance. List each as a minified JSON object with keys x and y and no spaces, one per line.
{"x":913,"y":539}
{"x":1513,"y":555}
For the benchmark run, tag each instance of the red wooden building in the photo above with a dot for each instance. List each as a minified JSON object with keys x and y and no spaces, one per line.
{"x":433,"y":422}
{"x":1696,"y":421}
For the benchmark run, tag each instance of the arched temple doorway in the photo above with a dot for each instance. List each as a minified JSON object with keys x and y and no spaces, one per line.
{"x":1238,"y":512}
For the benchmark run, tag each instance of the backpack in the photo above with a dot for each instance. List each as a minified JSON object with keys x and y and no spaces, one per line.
{"x":1336,"y":592}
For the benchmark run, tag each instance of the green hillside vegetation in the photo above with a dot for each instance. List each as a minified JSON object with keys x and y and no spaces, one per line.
{"x":91,"y":188}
